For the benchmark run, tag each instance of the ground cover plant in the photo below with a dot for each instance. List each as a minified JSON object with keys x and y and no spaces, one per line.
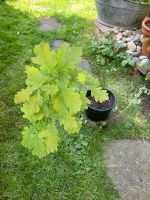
{"x":77,"y":170}
{"x":107,"y":53}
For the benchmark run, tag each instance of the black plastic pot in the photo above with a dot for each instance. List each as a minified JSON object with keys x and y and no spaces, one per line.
{"x":98,"y":114}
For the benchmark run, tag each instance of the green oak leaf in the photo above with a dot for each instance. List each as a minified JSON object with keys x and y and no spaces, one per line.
{"x":44,"y":57}
{"x":32,"y":109}
{"x":31,"y":141}
{"x":59,"y":105}
{"x":71,"y":124}
{"x":23,"y":95}
{"x":50,"y":137}
{"x":34,"y":77}
{"x":91,"y":82}
{"x":85,"y":100}
{"x":81,"y":78}
{"x":50,"y":89}
{"x":99,"y":94}
{"x":72,"y":100}
{"x":69,"y":57}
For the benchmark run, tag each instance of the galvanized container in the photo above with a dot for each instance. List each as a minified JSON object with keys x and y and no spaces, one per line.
{"x":122,"y":13}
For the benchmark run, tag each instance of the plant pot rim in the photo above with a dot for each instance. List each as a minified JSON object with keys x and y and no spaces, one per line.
{"x":144,"y":24}
{"x":107,"y":108}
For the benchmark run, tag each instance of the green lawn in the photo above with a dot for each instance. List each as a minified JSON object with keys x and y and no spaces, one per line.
{"x":77,"y":171}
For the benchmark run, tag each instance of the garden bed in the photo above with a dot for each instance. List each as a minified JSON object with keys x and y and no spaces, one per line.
{"x":76,"y":170}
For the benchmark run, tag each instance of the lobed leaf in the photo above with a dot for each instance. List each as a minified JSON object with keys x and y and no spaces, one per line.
{"x":69,"y":57}
{"x":23,"y":95}
{"x":72,"y":100}
{"x":32,"y":109}
{"x":31,"y":141}
{"x":34,"y":77}
{"x":50,"y":89}
{"x":44,"y":57}
{"x":85,"y":100}
{"x":81,"y":78}
{"x":71,"y":124}
{"x":99,"y":94}
{"x":50,"y":137}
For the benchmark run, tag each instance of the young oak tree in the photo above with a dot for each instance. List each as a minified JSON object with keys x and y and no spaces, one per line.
{"x":55,"y":93}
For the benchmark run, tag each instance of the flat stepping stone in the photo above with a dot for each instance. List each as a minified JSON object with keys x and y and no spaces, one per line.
{"x":58,"y":43}
{"x":48,"y":23}
{"x":128,"y":163}
{"x":85,"y":65}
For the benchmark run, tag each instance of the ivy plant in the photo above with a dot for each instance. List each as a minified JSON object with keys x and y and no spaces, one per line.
{"x":54,"y":96}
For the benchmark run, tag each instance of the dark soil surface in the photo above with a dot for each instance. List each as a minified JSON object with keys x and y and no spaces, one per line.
{"x":146,"y":106}
{"x":102,"y":106}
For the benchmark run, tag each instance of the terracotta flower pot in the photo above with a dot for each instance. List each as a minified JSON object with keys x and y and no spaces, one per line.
{"x":146,"y":38}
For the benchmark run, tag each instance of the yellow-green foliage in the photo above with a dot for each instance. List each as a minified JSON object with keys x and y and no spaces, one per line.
{"x":55,"y":94}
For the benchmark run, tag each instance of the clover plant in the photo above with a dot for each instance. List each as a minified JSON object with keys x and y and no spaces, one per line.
{"x":55,"y":93}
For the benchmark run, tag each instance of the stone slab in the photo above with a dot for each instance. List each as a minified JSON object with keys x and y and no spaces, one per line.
{"x":48,"y":23}
{"x":57,"y":43}
{"x":128,"y":163}
{"x":85,"y":65}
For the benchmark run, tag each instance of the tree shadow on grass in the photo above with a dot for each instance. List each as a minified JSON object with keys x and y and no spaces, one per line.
{"x":19,"y":33}
{"x":76,"y":29}
{"x":24,"y":176}
{"x":16,"y":41}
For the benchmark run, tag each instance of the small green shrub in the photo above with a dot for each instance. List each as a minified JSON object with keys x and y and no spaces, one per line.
{"x":107,"y":53}
{"x":54,"y":96}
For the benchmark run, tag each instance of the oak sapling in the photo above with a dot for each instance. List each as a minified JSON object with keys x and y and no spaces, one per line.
{"x":55,"y":93}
